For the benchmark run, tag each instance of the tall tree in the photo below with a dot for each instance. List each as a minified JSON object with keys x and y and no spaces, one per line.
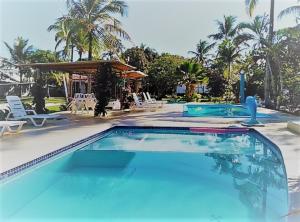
{"x":258,"y":31}
{"x":20,"y":53}
{"x":228,"y":53}
{"x":202,"y":49}
{"x":97,"y":19}
{"x":250,"y":6}
{"x":114,"y":48}
{"x":136,"y":57}
{"x":163,"y":76}
{"x":227,"y":29}
{"x":63,"y":37}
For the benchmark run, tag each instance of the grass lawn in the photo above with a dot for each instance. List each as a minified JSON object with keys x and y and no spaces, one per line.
{"x":53,"y":109}
{"x":56,"y":100}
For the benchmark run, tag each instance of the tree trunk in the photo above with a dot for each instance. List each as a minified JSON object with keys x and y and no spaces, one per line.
{"x":229,"y":72}
{"x":21,"y":80}
{"x":268,"y":72}
{"x":267,"y":83}
{"x":72,"y":52}
{"x":90,"y":46}
{"x":271,"y":29}
{"x":80,"y":55}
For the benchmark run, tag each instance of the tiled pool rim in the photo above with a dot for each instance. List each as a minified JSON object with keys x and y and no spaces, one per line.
{"x":21,"y":168}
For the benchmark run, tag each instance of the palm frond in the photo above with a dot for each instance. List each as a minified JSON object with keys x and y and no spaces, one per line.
{"x":250,"y":6}
{"x":217,"y":36}
{"x":289,"y":11}
{"x":117,"y":30}
{"x":115,"y":6}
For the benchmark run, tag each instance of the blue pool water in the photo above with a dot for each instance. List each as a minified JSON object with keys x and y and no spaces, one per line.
{"x":154,"y":175}
{"x":218,"y":110}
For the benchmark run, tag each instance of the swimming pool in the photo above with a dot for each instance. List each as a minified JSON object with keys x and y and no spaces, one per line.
{"x":218,"y":110}
{"x":153,"y":174}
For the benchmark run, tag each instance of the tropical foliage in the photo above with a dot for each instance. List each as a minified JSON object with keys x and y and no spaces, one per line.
{"x":20,"y":54}
{"x":105,"y":80}
{"x":202,"y":50}
{"x":163,"y":76}
{"x":90,"y":26}
{"x":192,"y":74}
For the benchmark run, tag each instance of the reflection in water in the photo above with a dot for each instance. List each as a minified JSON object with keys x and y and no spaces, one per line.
{"x":253,"y":176}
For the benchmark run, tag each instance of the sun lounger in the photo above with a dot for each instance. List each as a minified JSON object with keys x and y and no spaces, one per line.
{"x":7,"y":126}
{"x":142,"y":105}
{"x":149,"y":98}
{"x":138,"y":103}
{"x":152,"y":100}
{"x":18,"y":112}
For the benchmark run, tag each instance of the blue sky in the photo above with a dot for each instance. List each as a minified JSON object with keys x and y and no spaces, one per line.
{"x":173,"y":26}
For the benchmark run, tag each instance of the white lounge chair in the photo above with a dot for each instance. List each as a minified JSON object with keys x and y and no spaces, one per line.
{"x":18,"y":112}
{"x":152,"y":100}
{"x":137,"y":102}
{"x":141,"y":105}
{"x":146,"y":98}
{"x":7,"y":126}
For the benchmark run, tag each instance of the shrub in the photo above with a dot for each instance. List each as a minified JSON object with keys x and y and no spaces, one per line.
{"x":3,"y":114}
{"x":105,"y":81}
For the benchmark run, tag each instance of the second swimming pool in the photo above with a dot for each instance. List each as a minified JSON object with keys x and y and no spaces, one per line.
{"x":218,"y":110}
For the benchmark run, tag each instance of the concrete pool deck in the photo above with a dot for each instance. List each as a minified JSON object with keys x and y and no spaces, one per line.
{"x":16,"y":149}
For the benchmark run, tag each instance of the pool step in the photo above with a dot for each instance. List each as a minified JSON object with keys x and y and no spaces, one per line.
{"x":102,"y":158}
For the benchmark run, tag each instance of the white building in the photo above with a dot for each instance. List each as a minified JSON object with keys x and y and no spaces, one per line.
{"x":180,"y":89}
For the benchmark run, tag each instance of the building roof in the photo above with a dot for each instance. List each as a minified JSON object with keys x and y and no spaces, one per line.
{"x":133,"y":74}
{"x":80,"y":67}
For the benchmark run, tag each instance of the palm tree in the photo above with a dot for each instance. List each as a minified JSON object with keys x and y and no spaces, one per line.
{"x":290,"y":10}
{"x":250,"y":5}
{"x":96,"y":18}
{"x":20,"y":54}
{"x":203,"y":47}
{"x":228,"y":53}
{"x":228,"y":29}
{"x":20,"y":51}
{"x":192,"y":74}
{"x":79,"y":41}
{"x":113,"y":49}
{"x":258,"y":30}
{"x":63,"y":36}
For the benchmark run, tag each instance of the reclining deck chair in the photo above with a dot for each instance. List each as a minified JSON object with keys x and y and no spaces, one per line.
{"x":18,"y":112}
{"x":7,"y":126}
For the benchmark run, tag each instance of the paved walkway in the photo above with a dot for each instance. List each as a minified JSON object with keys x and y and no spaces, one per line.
{"x":34,"y":142}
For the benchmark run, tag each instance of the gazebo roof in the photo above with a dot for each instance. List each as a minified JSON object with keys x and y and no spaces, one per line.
{"x":80,"y":67}
{"x":133,"y":74}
